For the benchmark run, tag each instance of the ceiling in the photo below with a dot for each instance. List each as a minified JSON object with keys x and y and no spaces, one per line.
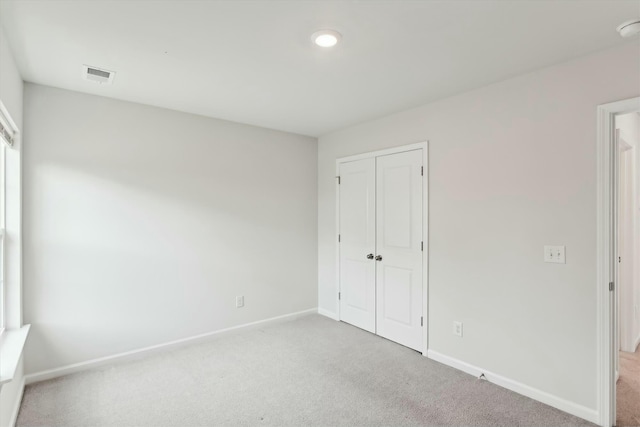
{"x":253,"y":61}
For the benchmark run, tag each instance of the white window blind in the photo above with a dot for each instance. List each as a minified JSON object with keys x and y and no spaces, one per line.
{"x":7,"y":133}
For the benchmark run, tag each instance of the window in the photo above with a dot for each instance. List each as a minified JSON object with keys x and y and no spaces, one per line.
{"x":2,"y":201}
{"x":13,"y":334}
{"x":8,"y":134}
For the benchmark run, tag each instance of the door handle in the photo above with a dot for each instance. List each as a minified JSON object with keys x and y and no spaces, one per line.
{"x":370,"y":256}
{"x":378,"y":258}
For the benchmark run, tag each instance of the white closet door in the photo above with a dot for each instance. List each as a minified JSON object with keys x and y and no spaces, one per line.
{"x":357,"y":240}
{"x":399,"y":240}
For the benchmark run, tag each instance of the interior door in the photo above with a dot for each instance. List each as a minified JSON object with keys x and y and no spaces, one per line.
{"x":357,"y":243}
{"x":399,"y":248}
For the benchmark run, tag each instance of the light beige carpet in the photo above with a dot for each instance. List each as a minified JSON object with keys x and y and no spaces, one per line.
{"x":628,"y":390}
{"x":309,"y":371}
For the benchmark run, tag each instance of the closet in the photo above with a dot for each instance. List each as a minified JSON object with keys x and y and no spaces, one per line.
{"x":380,"y":234}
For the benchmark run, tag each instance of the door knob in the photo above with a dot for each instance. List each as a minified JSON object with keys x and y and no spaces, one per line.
{"x":370,"y":256}
{"x":378,"y":258}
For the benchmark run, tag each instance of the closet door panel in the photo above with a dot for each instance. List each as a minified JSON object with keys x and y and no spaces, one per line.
{"x":357,"y":240}
{"x":399,"y":248}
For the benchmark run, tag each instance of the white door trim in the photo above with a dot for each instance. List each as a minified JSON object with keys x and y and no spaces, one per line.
{"x":386,"y":151}
{"x":425,"y":224}
{"x":604,"y":253}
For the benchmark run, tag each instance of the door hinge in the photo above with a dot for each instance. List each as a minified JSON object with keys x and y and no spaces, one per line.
{"x":421,"y":321}
{"x":421,"y":170}
{"x":338,"y":180}
{"x":338,"y":238}
{"x":611,"y":286}
{"x":339,"y":296}
{"x":422,"y":246}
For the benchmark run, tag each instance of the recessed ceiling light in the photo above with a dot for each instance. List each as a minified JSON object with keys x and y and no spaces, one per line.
{"x":326,"y":38}
{"x":629,"y":28}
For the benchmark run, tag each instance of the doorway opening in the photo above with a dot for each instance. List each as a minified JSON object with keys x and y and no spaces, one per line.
{"x":618,"y":262}
{"x":627,"y":291}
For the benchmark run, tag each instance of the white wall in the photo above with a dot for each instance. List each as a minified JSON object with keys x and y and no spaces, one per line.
{"x":629,"y":124}
{"x":143,"y":224}
{"x":512,"y":167}
{"x":11,"y":95}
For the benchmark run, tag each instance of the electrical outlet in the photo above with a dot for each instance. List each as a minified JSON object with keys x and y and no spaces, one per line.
{"x":457,"y":328}
{"x":239,"y":301}
{"x":554,"y":254}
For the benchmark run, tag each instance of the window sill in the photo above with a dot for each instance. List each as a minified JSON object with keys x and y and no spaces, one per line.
{"x":12,"y":343}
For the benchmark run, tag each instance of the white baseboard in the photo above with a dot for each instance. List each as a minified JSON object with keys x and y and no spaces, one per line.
{"x":520,"y":388}
{"x":146,"y":351}
{"x":327,"y":313}
{"x":18,"y":402}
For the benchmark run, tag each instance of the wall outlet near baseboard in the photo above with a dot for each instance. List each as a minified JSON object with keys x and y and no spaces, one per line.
{"x":457,"y":328}
{"x":240,"y":301}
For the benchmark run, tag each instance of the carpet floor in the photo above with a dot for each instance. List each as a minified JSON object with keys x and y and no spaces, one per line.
{"x":308,"y":371}
{"x":628,"y":390}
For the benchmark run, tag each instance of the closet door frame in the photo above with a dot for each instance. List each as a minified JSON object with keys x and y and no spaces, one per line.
{"x":425,"y":224}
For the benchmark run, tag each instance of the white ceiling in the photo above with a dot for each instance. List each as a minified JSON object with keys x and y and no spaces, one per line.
{"x":253,"y":62}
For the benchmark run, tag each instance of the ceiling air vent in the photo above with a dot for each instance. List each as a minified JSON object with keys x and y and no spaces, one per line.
{"x":98,"y":75}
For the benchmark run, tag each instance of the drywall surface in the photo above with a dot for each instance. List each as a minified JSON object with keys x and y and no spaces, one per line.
{"x":142,"y":225}
{"x":11,"y":87}
{"x":629,"y":125}
{"x":512,"y":167}
{"x":10,"y":81}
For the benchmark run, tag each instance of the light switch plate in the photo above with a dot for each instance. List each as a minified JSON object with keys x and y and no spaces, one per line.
{"x":555,"y":254}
